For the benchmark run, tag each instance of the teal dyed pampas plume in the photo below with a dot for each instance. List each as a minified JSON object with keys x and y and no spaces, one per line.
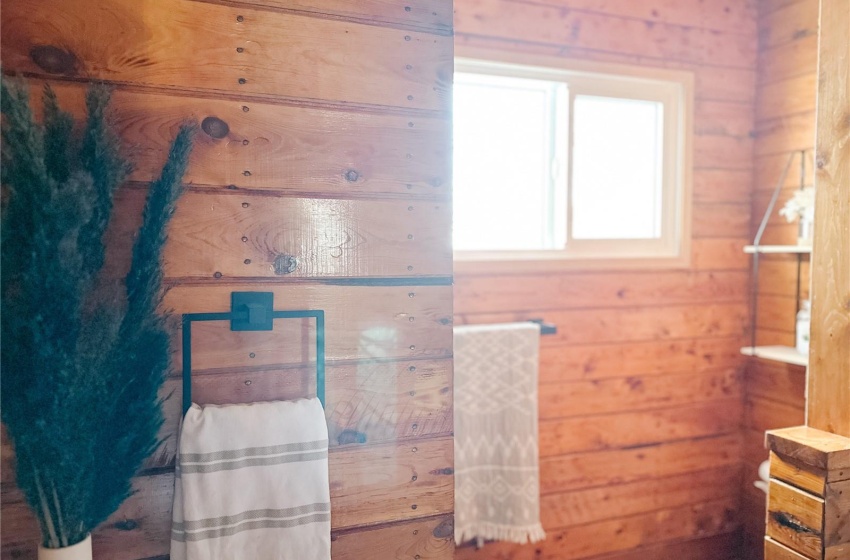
{"x":82,"y":365}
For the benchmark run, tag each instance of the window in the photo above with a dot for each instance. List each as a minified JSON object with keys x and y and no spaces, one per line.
{"x":555,"y":164}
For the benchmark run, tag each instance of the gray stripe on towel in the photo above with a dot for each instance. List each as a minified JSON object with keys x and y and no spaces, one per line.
{"x":250,"y":525}
{"x":213,"y":522}
{"x":201,"y":468}
{"x":253,"y":451}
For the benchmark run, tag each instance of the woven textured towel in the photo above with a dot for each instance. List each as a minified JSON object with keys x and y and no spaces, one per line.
{"x":252,"y":482}
{"x":497,"y":477}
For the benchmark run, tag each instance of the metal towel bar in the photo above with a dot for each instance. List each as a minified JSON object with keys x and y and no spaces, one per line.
{"x":252,"y":311}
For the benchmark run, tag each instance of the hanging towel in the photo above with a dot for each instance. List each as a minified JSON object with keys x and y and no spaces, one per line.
{"x":497,"y":477}
{"x":252,"y":482}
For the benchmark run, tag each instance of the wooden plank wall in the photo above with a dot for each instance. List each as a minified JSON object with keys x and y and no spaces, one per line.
{"x":322,"y":174}
{"x":641,"y":392}
{"x":785,"y":121}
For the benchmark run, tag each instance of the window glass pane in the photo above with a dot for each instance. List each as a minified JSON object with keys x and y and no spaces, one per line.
{"x":616,"y":168}
{"x":502,"y":163}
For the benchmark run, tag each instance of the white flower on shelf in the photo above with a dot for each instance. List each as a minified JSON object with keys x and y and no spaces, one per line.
{"x":801,"y":205}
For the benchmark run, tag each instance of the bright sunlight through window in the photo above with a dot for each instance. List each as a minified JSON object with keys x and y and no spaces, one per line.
{"x":559,"y":164}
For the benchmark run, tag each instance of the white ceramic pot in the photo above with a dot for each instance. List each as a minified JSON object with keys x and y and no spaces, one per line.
{"x":806,"y":230}
{"x":79,"y":551}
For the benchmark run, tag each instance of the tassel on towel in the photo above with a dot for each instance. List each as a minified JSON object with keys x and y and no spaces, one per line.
{"x":252,"y":482}
{"x":497,"y":477}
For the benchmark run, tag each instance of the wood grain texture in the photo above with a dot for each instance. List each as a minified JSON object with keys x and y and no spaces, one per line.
{"x":777,"y":551}
{"x":291,"y":151}
{"x":429,"y":538}
{"x":528,"y":292}
{"x":736,"y":17}
{"x":285,"y":57}
{"x":836,"y":514}
{"x":787,"y":97}
{"x":233,"y":236}
{"x":369,"y":485}
{"x":805,"y":477}
{"x":633,"y":385}
{"x":795,"y":519}
{"x":811,"y":446}
{"x":366,"y":401}
{"x":591,"y":505}
{"x":324,"y":136}
{"x":633,"y":534}
{"x":632,"y":324}
{"x":828,"y":400}
{"x":789,"y":60}
{"x":785,"y":120}
{"x":568,"y":29}
{"x":616,"y":360}
{"x":795,"y":21}
{"x":424,"y":15}
{"x":632,"y":429}
{"x":326,"y":237}
{"x":358,"y":327}
{"x":583,"y":398}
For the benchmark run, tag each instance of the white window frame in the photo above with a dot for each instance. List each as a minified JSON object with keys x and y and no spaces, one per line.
{"x":672,"y":88}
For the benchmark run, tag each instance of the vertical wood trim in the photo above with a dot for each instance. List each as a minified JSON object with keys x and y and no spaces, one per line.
{"x":828,"y":402}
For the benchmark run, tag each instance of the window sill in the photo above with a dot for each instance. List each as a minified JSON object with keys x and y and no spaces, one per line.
{"x":505,"y":263}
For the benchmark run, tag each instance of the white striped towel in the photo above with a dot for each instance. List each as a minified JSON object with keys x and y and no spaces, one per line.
{"x":497,"y":477}
{"x":252,"y":482}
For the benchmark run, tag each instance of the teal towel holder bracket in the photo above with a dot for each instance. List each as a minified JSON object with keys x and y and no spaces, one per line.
{"x":252,"y":311}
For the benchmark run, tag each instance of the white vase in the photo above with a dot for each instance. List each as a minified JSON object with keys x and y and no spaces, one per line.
{"x":806,"y":230}
{"x":79,"y":551}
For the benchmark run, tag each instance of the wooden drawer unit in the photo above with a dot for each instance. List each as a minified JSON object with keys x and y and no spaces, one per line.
{"x":808,"y":504}
{"x":795,"y":518}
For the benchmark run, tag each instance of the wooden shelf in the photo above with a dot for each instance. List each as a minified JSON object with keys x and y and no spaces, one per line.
{"x":795,"y":249}
{"x":785,"y":354}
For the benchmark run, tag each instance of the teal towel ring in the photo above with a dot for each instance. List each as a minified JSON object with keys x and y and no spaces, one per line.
{"x":252,"y":311}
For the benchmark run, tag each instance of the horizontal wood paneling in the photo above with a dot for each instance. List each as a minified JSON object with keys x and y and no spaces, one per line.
{"x":632,"y":532}
{"x":356,"y":328}
{"x":569,"y":473}
{"x":531,"y":292}
{"x":608,"y":32}
{"x":601,"y":361}
{"x":613,"y":431}
{"x":324,"y":139}
{"x":316,"y":59}
{"x":720,"y":254}
{"x":333,"y":153}
{"x":642,"y":378}
{"x":721,"y":185}
{"x":366,"y":401}
{"x":591,"y":505}
{"x":785,"y":122}
{"x":326,"y":237}
{"x":429,"y":15}
{"x":633,"y":324}
{"x":233,"y":236}
{"x":786,"y":97}
{"x":583,"y":398}
{"x":368,"y":485}
{"x":426,"y":538}
{"x":722,"y":16}
{"x":790,"y":23}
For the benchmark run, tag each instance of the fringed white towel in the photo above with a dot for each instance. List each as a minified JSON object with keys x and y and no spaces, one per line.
{"x":252,"y":482}
{"x":497,"y":476}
